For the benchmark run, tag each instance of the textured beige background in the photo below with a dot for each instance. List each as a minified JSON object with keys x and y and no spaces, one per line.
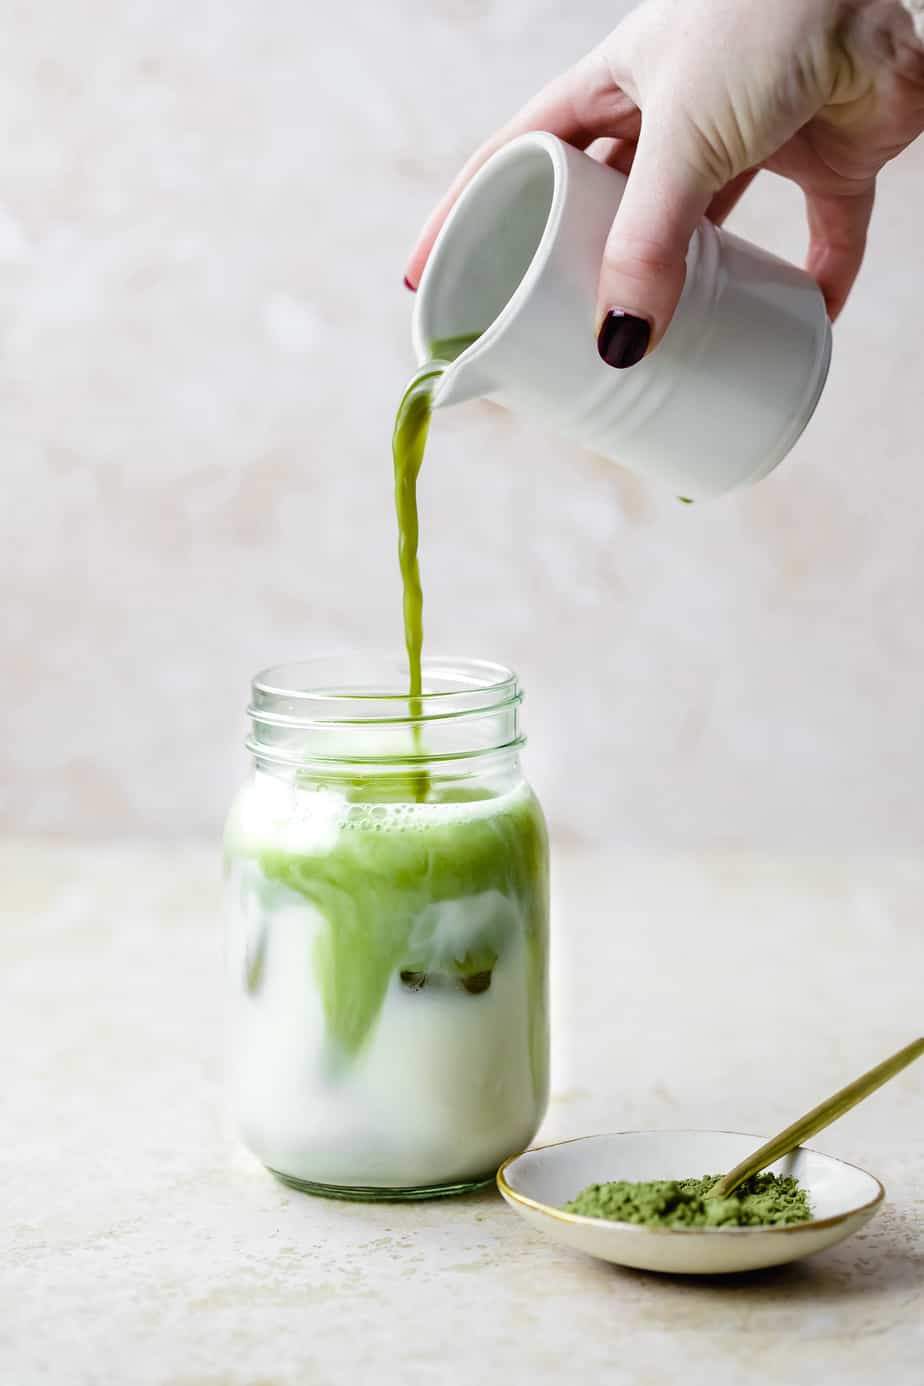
{"x":203,"y":213}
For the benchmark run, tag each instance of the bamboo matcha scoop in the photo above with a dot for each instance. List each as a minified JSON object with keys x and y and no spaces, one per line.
{"x":817,"y":1119}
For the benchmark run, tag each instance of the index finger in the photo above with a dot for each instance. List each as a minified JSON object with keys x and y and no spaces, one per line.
{"x":579,"y":106}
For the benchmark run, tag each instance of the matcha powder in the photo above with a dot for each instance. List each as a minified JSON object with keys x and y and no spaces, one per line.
{"x":764,"y":1200}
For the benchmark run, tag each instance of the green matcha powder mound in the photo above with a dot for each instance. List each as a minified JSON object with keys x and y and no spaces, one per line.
{"x":764,"y":1200}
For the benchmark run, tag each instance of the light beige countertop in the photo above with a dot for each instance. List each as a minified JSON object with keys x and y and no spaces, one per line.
{"x":143,"y":1247}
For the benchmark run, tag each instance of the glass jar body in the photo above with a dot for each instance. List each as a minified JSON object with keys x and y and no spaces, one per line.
{"x":387,"y":968}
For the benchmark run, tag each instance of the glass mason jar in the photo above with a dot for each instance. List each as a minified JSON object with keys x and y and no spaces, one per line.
{"x":387,"y":887}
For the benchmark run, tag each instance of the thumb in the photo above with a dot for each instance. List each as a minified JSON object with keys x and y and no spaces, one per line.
{"x":644,"y":263}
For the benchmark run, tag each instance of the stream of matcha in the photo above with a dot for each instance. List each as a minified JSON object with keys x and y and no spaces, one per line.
{"x":409,"y":440}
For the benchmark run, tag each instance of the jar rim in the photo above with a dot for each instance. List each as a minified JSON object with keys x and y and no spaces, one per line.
{"x":373,"y":688}
{"x":339,"y":707}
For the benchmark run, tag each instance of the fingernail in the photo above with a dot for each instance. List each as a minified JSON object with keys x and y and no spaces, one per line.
{"x":409,"y":285}
{"x":623,"y":339}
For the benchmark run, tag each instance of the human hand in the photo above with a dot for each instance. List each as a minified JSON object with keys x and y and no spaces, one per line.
{"x":693,"y":100}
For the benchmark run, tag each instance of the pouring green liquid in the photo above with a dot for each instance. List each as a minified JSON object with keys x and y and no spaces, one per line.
{"x":388,"y":933}
{"x":409,"y":441}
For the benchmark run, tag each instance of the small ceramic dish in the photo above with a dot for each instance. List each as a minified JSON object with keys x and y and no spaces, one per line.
{"x":539,"y":1181}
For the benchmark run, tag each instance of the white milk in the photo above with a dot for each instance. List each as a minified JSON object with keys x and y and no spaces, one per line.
{"x":441,"y":1090}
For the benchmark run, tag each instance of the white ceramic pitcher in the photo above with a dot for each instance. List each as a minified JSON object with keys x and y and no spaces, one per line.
{"x":718,"y":404}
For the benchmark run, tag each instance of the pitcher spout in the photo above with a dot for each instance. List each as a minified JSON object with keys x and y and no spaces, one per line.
{"x":463,"y":380}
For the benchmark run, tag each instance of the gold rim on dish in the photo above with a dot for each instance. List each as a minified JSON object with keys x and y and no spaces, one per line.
{"x":813,"y":1225}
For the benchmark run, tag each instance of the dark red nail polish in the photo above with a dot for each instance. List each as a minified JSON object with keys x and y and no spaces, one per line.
{"x":623,"y":339}
{"x":409,"y":285}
